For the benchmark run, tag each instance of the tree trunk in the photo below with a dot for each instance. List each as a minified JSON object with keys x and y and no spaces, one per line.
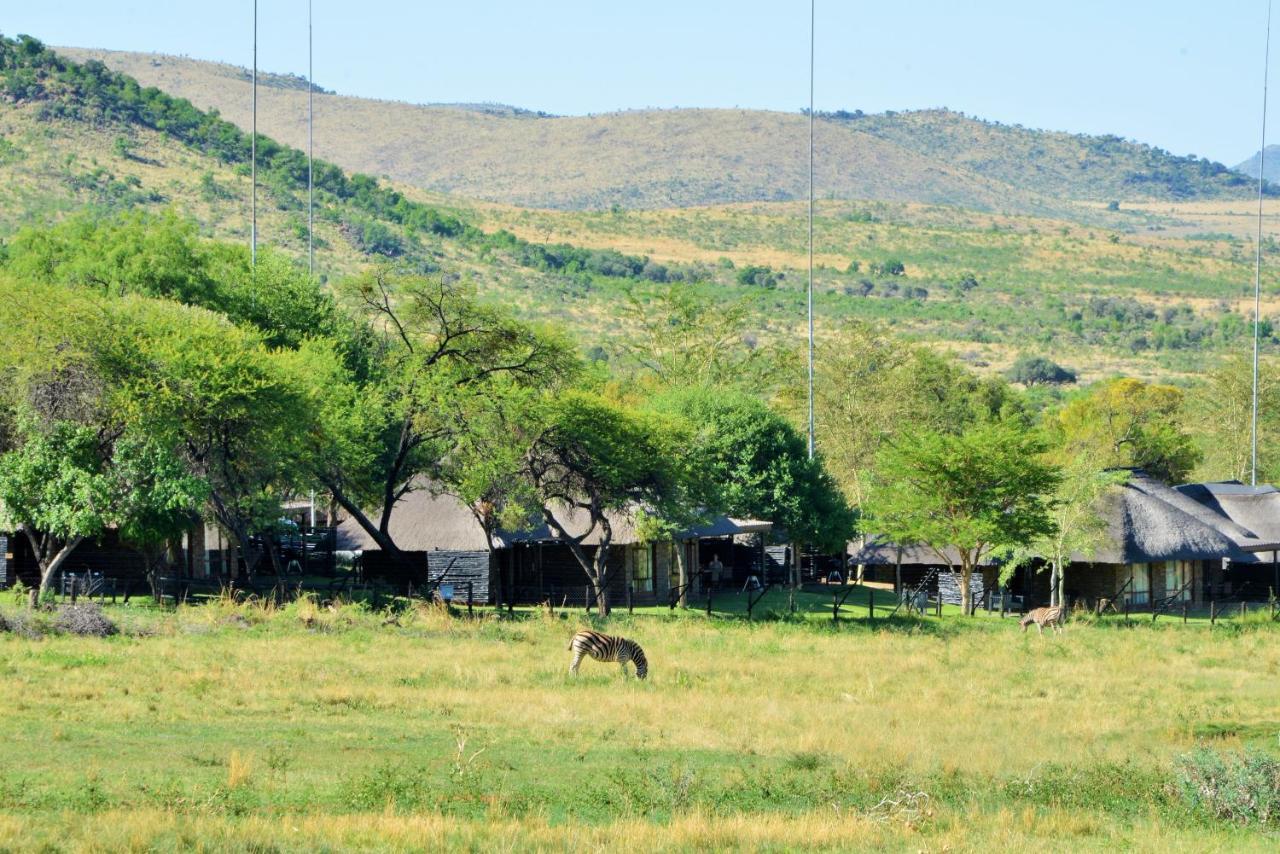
{"x":966,"y":592}
{"x":1061,"y":585}
{"x":1053,"y":583}
{"x":382,"y":538}
{"x":48,"y":566}
{"x":682,"y":568}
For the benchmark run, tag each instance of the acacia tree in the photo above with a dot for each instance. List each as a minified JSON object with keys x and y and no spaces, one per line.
{"x":388,"y":417}
{"x":1079,"y":526}
{"x":592,"y":459}
{"x":679,"y":337}
{"x":869,"y":385}
{"x":976,"y":491}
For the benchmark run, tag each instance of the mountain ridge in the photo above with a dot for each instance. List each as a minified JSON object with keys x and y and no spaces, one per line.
{"x":691,"y":157}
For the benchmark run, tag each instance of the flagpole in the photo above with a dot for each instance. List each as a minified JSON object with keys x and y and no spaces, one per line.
{"x":311,"y":206}
{"x":812,"y":14}
{"x":253,"y":148}
{"x":1257,"y":269}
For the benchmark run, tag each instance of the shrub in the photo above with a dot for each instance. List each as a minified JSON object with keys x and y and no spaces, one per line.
{"x":86,"y":620}
{"x":1034,"y":370}
{"x":1238,"y":788}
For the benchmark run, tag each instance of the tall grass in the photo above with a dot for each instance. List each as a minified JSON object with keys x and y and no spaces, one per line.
{"x":243,"y":723}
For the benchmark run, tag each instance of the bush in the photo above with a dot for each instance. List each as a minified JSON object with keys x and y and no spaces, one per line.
{"x":1238,"y":788}
{"x":1036,"y":370}
{"x":86,"y":620}
{"x":758,"y":276}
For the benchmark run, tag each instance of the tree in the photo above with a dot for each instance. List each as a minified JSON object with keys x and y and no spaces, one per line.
{"x":424,"y":346}
{"x":870,"y":385}
{"x":1126,"y":423}
{"x":1220,"y":411}
{"x":1037,"y":370}
{"x":75,"y":463}
{"x":593,"y":458}
{"x":1079,"y":526}
{"x":680,"y":337}
{"x":977,"y":491}
{"x":749,"y":461}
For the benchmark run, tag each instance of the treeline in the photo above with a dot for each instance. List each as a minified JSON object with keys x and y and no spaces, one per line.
{"x":153,"y":378}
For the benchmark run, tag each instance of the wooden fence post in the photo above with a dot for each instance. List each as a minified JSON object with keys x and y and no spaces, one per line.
{"x":630,"y":607}
{"x":586,"y":597}
{"x":1184,"y":613}
{"x":871,"y":604}
{"x":1243,"y":609}
{"x":708,"y":600}
{"x":470,"y":597}
{"x":835,"y":608}
{"x":1213,"y":612}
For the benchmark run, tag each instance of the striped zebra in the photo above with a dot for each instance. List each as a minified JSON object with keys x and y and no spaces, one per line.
{"x":1053,"y":616}
{"x":603,"y":647}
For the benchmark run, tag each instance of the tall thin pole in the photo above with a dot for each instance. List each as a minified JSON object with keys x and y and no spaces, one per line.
{"x":311,"y":197}
{"x":812,"y":14}
{"x":253,"y":147}
{"x":1257,"y":269}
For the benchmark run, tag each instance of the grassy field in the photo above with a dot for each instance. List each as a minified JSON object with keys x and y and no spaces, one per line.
{"x":228,"y":727}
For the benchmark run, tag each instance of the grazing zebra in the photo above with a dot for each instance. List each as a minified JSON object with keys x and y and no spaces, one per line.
{"x":607,"y":648}
{"x":1052,"y":616}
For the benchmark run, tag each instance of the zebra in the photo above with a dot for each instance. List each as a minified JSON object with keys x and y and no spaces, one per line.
{"x":1053,"y":616}
{"x":603,"y":647}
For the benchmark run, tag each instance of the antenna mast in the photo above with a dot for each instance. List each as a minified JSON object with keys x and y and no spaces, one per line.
{"x":253,"y":147}
{"x":812,"y":12}
{"x":311,"y":207}
{"x":1257,"y":270}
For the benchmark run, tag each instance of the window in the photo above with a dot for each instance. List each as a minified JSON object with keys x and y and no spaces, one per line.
{"x":1176,"y":574}
{"x":642,"y":569}
{"x":1140,"y":590}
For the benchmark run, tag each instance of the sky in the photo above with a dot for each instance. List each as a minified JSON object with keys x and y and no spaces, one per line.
{"x":1184,"y":75}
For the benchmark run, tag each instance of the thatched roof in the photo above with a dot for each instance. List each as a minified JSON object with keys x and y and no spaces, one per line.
{"x":1254,"y":510}
{"x":1150,"y":521}
{"x":427,"y":520}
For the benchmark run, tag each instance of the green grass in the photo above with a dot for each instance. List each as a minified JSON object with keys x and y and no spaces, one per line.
{"x":235,"y":726}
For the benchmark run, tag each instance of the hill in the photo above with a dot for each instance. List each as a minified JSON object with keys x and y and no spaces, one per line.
{"x":1271,"y":169}
{"x":1148,"y":289}
{"x":677,"y":158}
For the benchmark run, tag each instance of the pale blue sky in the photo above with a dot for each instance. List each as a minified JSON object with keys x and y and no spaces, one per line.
{"x":1181,"y":74}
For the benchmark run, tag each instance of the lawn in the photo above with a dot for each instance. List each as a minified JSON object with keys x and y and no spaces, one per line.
{"x":229,"y":727}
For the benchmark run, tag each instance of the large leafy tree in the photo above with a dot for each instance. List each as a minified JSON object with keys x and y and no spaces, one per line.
{"x":976,"y":491}
{"x":1129,"y":423}
{"x":425,"y":346}
{"x":592,"y":459}
{"x":747,"y":460}
{"x":235,"y":411}
{"x":74,"y":462}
